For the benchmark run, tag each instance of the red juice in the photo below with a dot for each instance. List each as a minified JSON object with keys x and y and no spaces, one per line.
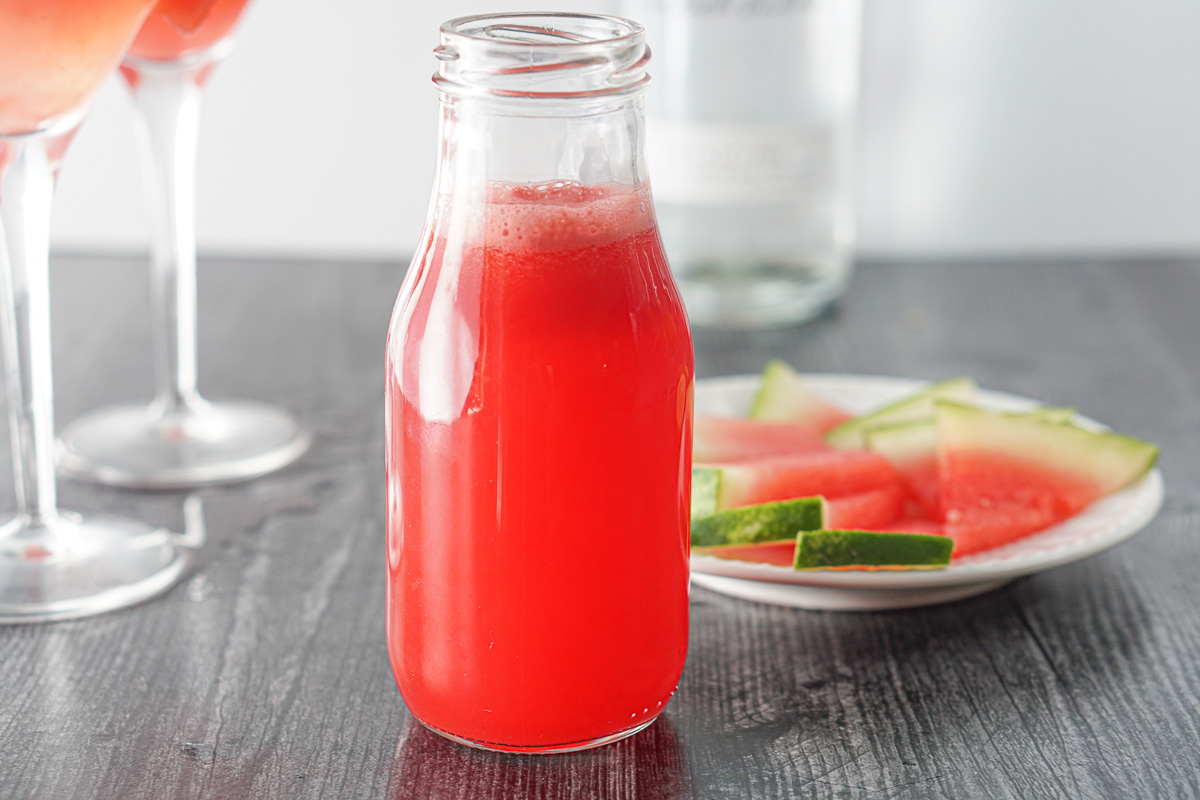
{"x":539,"y":466}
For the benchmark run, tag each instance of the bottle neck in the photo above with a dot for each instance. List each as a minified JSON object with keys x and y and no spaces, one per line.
{"x":484,"y":143}
{"x":539,"y":111}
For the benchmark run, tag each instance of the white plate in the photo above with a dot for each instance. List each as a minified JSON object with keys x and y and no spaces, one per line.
{"x":1104,"y":524}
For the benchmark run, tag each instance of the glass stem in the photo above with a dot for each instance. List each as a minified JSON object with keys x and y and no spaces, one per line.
{"x":167,"y":96}
{"x":28,"y":167}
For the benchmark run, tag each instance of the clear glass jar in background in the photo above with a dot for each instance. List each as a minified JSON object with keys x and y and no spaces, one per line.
{"x":751,"y":121}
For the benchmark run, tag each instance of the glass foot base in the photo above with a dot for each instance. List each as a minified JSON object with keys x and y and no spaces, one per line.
{"x":139,"y":447}
{"x":74,"y":566}
{"x":547,"y":750}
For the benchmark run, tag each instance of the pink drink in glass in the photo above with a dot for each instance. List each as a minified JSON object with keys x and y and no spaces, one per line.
{"x":55,"y":53}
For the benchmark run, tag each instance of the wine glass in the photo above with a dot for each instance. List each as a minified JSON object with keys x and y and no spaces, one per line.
{"x":55,"y":564}
{"x":180,"y":439}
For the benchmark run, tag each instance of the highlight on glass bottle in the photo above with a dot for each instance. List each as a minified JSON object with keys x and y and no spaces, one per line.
{"x":56,"y":564}
{"x":539,"y":402}
{"x":180,"y":439}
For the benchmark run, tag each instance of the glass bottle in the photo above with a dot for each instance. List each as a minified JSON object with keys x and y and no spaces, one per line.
{"x":539,"y":402}
{"x":751,"y":139}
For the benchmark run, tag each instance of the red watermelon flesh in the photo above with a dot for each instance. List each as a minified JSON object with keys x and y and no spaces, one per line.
{"x":828,"y":473}
{"x":781,"y":553}
{"x":1005,"y":476}
{"x":992,"y":499}
{"x":866,"y":511}
{"x":914,"y":524}
{"x":727,"y":439}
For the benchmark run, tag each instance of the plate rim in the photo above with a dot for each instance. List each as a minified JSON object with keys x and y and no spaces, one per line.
{"x":1138,"y":505}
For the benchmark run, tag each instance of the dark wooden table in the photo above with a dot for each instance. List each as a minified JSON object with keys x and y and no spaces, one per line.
{"x":264,"y":673}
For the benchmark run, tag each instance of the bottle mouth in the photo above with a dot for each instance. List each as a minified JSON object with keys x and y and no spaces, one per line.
{"x":548,"y":56}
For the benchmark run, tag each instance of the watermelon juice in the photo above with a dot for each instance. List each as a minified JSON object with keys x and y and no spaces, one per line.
{"x":539,"y":435}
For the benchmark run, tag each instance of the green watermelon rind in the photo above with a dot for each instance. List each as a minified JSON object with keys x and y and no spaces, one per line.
{"x":851,"y":433}
{"x":1110,"y":460}
{"x":838,"y":549}
{"x":765,"y":522}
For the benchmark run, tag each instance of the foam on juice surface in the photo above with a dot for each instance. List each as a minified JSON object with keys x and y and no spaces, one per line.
{"x":562,"y":215}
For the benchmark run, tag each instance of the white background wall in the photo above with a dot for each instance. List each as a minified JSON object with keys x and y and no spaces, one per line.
{"x":987,"y":127}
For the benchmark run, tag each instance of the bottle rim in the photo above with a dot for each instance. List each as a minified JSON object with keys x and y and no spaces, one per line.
{"x":542,"y":55}
{"x":459,"y":27}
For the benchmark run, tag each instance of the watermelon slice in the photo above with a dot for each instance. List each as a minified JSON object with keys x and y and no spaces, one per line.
{"x":828,"y":473}
{"x":738,"y":439}
{"x":871,"y":550}
{"x":851,"y":434}
{"x":1005,"y":476}
{"x":767,"y":522}
{"x":773,"y":538}
{"x":845,"y":550}
{"x":911,"y":447}
{"x":783,"y":396}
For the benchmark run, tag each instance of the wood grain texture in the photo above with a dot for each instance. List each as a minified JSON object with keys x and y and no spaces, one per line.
{"x":264,"y":673}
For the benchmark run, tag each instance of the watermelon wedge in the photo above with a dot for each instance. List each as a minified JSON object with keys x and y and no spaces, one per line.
{"x":783,"y":396}
{"x":852,"y":433}
{"x":833,"y":474}
{"x":1005,"y":476}
{"x":844,"y":550}
{"x":911,"y":447}
{"x":767,"y":532}
{"x":739,"y":439}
